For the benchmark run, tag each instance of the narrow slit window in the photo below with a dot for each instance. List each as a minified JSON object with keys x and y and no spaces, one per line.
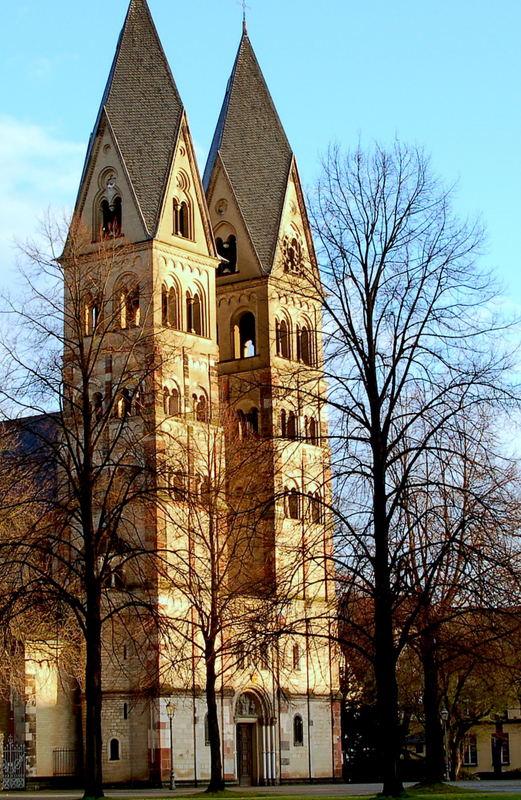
{"x":283,"y":339}
{"x":298,"y":731}
{"x":164,"y":306}
{"x":172,"y":319}
{"x":197,"y":318}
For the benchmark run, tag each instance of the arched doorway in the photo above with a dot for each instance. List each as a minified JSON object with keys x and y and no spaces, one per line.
{"x":248,"y":719}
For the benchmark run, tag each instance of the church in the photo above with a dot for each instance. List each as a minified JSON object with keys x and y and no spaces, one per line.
{"x":213,"y":269}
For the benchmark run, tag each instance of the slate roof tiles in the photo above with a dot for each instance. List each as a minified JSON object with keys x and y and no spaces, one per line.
{"x":144,"y":109}
{"x":255,"y":151}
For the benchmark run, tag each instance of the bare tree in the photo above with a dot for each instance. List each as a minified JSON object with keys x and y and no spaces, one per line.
{"x":413,"y":344}
{"x":79,"y":374}
{"x":216,"y":561}
{"x":462,"y":517}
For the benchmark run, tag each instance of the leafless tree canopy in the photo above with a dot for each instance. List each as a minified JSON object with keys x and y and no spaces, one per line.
{"x":415,"y":357}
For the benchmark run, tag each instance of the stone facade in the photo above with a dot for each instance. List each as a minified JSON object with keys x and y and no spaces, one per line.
{"x":245,"y":332}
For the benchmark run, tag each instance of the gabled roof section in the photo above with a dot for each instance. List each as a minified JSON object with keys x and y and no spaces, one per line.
{"x":254,"y":150}
{"x":144,"y":108}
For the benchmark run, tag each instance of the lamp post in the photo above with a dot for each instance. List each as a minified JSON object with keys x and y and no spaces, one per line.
{"x":444,"y":714}
{"x":170,"y":710}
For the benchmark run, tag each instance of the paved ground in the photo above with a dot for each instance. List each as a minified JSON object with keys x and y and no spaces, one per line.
{"x":303,"y":790}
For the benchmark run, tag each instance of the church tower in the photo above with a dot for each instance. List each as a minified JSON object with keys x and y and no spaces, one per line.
{"x":271,"y":371}
{"x":141,"y":202}
{"x":208,"y":303}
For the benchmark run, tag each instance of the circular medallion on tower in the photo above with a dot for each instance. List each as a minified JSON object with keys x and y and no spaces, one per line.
{"x":221,"y":206}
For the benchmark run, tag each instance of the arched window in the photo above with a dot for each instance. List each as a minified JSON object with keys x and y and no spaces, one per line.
{"x":252,"y":420}
{"x":114,"y":750}
{"x":292,"y":426}
{"x":97,"y":404}
{"x":315,"y":507}
{"x":178,"y":485}
{"x":139,"y":402}
{"x":292,"y":504}
{"x":241,"y":419}
{"x":189,"y":313}
{"x":283,"y":423}
{"x":312,"y":433}
{"x":126,"y":400}
{"x":169,"y":307}
{"x":245,"y":336}
{"x":298,"y":731}
{"x":129,"y":310}
{"x":205,"y":489}
{"x":194,"y":314}
{"x":248,"y":423}
{"x":182,"y":220}
{"x":201,"y":409}
{"x":91,"y":315}
{"x":296,"y":656}
{"x":174,"y":402}
{"x":197,"y":316}
{"x":172,"y":307}
{"x":304,"y":346}
{"x":111,"y":218}
{"x":282,"y":335}
{"x":164,"y":306}
{"x":123,"y":405}
{"x":227,"y":248}
{"x":171,"y":401}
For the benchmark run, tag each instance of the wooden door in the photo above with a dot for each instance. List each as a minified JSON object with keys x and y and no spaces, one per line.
{"x":245,"y":753}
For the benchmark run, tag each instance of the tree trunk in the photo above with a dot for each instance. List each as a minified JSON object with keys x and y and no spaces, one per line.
{"x":216,"y":768}
{"x":455,"y":758}
{"x":434,"y":744}
{"x":389,"y":731}
{"x":93,"y":700}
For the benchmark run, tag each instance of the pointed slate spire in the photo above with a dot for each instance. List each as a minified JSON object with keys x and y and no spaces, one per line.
{"x":255,"y":152}
{"x":144,"y":109}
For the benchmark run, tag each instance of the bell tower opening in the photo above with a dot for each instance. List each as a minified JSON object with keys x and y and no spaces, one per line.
{"x":244,"y":335}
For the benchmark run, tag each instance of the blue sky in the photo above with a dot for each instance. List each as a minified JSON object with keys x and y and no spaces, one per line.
{"x":443,"y":74}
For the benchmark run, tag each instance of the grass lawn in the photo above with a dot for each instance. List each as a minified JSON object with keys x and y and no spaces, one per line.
{"x":433,"y":792}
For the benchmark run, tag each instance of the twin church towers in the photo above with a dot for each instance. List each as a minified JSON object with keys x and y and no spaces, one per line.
{"x":216,"y":266}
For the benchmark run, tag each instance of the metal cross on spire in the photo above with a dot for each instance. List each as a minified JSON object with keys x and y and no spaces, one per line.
{"x":244,"y":7}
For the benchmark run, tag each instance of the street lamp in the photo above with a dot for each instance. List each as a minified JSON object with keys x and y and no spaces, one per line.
{"x":170,"y":710}
{"x":444,"y":714}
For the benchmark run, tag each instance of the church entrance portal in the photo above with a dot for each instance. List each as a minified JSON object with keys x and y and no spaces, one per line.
{"x":248,"y":714}
{"x":245,"y":753}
